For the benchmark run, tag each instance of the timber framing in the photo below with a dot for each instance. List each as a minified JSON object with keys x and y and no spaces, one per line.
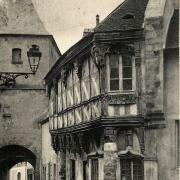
{"x":84,"y":46}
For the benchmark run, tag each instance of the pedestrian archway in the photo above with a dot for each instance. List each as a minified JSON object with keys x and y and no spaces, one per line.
{"x":14,"y":154}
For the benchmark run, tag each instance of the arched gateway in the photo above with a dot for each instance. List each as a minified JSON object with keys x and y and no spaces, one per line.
{"x":13,"y":154}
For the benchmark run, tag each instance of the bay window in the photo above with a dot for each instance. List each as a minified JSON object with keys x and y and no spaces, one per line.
{"x":121,"y":70}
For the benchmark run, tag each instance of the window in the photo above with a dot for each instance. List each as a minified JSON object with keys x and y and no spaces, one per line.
{"x":94,"y":169}
{"x":177,"y":131}
{"x":44,"y":173}
{"x":128,"y":16}
{"x":54,"y":171}
{"x":16,"y":56}
{"x":121,"y":72}
{"x":30,"y":177}
{"x":72,"y":170}
{"x":114,"y":73}
{"x":49,"y":171}
{"x":85,"y":170}
{"x":19,"y":176}
{"x":127,"y":72}
{"x":131,"y":169}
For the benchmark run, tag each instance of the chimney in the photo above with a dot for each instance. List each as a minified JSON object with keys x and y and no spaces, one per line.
{"x":97,"y":20}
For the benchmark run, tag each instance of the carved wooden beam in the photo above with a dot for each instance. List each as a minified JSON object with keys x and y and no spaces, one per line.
{"x":129,"y":138}
{"x":98,"y":55}
{"x":121,"y":99}
{"x":80,"y":137}
{"x":120,"y":48}
{"x":78,"y":69}
{"x":140,"y":133}
{"x":64,"y":74}
{"x":55,"y":142}
{"x":110,"y":134}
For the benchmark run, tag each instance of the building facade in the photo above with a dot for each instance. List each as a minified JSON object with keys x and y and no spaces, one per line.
{"x":23,"y":102}
{"x":114,"y":97}
{"x":49,"y":162}
{"x":22,"y":171}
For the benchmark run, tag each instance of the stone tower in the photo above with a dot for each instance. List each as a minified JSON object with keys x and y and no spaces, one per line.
{"x":23,"y":105}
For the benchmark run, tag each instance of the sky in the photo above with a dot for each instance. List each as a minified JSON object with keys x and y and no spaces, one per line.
{"x":66,"y":19}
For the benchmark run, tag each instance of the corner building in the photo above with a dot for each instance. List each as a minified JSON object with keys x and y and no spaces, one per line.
{"x":109,"y":111}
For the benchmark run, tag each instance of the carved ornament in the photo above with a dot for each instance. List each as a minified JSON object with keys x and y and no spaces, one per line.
{"x":110,"y":134}
{"x":121,"y":49}
{"x":121,"y":99}
{"x":64,"y":74}
{"x":78,"y":69}
{"x":98,"y":55}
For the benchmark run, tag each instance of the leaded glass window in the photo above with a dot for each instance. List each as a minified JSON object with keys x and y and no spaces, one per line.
{"x":132,"y":169}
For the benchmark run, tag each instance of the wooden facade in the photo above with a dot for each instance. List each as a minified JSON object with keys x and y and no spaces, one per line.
{"x":87,"y":118}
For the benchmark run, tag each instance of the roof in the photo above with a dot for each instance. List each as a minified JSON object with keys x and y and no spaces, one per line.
{"x":128,"y":15}
{"x":20,"y":17}
{"x":113,"y":22}
{"x":71,"y":52}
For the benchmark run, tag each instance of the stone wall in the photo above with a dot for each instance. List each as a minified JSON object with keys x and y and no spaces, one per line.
{"x":162,"y":89}
{"x":23,"y":106}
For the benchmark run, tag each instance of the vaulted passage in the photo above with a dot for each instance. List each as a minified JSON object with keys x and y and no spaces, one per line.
{"x":11,"y":155}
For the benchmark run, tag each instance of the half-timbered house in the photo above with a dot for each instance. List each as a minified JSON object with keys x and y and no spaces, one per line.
{"x":104,"y":94}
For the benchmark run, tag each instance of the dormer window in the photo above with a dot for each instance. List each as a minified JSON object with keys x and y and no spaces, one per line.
{"x":121,"y":72}
{"x":128,"y":16}
{"x":16,"y":56}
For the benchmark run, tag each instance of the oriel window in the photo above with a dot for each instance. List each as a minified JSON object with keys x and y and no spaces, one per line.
{"x":121,"y":72}
{"x":16,"y":56}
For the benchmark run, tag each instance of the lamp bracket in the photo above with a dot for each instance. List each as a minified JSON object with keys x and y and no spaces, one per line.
{"x":9,"y":78}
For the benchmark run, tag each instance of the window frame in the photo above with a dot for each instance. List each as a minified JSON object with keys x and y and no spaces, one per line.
{"x":85,"y":163}
{"x":177,"y":142}
{"x":18,"y":176}
{"x":92,"y":172}
{"x":72,"y":169}
{"x":121,"y":89}
{"x":132,"y":162}
{"x":54,"y":171}
{"x":14,"y":52}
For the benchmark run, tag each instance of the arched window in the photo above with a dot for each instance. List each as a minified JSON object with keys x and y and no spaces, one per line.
{"x":19,"y":176}
{"x":16,"y":56}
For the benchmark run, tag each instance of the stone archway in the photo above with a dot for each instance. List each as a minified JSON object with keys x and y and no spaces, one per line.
{"x":13,"y":154}
{"x":156,"y":24}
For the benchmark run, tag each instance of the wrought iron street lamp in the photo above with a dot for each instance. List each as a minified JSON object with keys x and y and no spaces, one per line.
{"x":34,"y":56}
